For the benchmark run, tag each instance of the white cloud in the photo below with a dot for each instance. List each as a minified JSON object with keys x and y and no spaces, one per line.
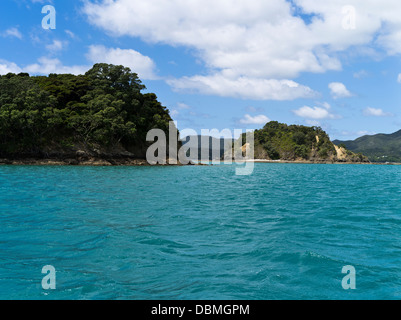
{"x":399,"y":78}
{"x":56,"y":45}
{"x":339,"y":90}
{"x":138,"y":63}
{"x":142,"y":65}
{"x":259,"y":40}
{"x":48,"y":65}
{"x":12,"y":32}
{"x":376,"y":112}
{"x":325,"y":105}
{"x":260,"y":119}
{"x":315,"y":113}
{"x":44,"y":66}
{"x":243,"y":87}
{"x":264,"y":41}
{"x":8,"y":67}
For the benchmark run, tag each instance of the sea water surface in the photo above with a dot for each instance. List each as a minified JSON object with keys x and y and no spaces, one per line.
{"x":201,"y":232}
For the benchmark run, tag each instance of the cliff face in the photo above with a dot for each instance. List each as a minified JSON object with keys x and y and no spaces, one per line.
{"x":277,"y":141}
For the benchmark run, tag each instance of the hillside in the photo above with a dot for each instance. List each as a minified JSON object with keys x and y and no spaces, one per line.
{"x":100,"y":115}
{"x":378,"y":148}
{"x":278,"y":141}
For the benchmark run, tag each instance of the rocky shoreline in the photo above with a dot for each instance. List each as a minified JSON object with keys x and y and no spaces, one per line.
{"x":129,"y":161}
{"x":323,"y":162}
{"x":308,"y":161}
{"x":75,"y":162}
{"x":84,"y":161}
{"x":101,"y":162}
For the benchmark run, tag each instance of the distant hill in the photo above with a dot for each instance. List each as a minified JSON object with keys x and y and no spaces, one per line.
{"x":209,"y":148}
{"x":378,"y":148}
{"x":278,"y":141}
{"x":102,"y":114}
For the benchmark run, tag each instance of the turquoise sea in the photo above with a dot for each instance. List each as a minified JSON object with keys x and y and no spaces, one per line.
{"x":201,"y":232}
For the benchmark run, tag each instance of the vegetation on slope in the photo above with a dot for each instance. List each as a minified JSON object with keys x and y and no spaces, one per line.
{"x":101,"y":111}
{"x":278,"y":141}
{"x":378,"y":148}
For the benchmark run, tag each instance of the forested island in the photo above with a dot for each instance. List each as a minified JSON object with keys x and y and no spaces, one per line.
{"x":101,"y":117}
{"x":297,"y":143}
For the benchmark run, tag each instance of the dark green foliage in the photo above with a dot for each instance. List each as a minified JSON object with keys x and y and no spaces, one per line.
{"x":299,"y":138}
{"x":302,"y":151}
{"x":378,"y":148}
{"x":323,"y":153}
{"x":281,"y":141}
{"x":104,"y":107}
{"x":271,"y":151}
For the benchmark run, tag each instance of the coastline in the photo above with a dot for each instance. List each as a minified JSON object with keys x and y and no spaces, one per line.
{"x":89,"y":161}
{"x":127,"y":161}
{"x":73,"y":162}
{"x":319,"y":162}
{"x":94,"y":162}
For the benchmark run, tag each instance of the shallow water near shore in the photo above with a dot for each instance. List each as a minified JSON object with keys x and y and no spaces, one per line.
{"x":201,"y":232}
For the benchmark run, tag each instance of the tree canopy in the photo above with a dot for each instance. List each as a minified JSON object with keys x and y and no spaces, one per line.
{"x":105,"y":107}
{"x":291,"y":142}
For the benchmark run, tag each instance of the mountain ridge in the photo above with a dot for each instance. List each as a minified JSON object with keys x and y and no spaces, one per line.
{"x":379,"y":148}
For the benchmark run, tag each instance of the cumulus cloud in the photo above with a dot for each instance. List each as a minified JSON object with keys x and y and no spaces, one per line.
{"x":260,"y":119}
{"x":138,"y":63}
{"x":8,"y":67}
{"x":243,"y":44}
{"x":315,"y":113}
{"x":144,"y":66}
{"x":243,"y":87}
{"x":339,"y":90}
{"x":376,"y":112}
{"x":47,"y":65}
{"x":264,"y":41}
{"x":44,"y":66}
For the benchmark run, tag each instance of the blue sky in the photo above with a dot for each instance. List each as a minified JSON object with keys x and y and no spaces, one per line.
{"x":228,"y":64}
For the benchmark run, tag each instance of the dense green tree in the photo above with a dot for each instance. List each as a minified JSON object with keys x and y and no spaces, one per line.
{"x":103,"y":108}
{"x":281,"y":141}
